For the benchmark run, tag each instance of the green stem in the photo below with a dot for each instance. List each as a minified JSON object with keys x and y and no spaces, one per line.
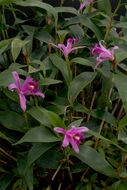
{"x":68,"y":167}
{"x":13,"y":11}
{"x":62,"y":2}
{"x":36,"y":100}
{"x":110,"y":21}
{"x":69,"y":70}
{"x":26,"y":119}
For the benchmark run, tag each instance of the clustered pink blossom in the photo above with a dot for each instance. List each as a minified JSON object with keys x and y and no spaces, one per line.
{"x":30,"y":87}
{"x":83,"y":4}
{"x":67,"y":49}
{"x":104,"y":54}
{"x":72,"y":136}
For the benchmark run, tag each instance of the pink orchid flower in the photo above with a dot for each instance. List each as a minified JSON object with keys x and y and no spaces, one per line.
{"x":72,"y":136}
{"x":67,"y":49}
{"x":104,"y":54}
{"x":30,"y":87}
{"x":83,"y":4}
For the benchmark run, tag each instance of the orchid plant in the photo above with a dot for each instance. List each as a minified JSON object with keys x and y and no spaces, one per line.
{"x":73,"y":136}
{"x":30,"y":87}
{"x":63,"y":109}
{"x":104,"y":54}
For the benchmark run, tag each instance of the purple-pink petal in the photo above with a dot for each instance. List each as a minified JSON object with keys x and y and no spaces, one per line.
{"x":59,"y":130}
{"x":74,"y":145}
{"x":17,"y":80}
{"x":83,"y":5}
{"x":22,"y":102}
{"x":39,"y":94}
{"x":81,"y":129}
{"x":12,"y":86}
{"x":65,"y":141}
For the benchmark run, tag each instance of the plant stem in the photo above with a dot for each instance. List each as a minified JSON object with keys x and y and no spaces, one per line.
{"x":68,"y":168}
{"x":26,"y":119}
{"x":106,"y":109}
{"x":69,"y":70}
{"x":110,"y":21}
{"x":7,"y":154}
{"x":61,"y":3}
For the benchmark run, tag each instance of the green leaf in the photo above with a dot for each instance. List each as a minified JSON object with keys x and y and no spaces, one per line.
{"x":3,"y":136}
{"x":105,"y":6}
{"x":122,"y":123}
{"x":82,"y":61}
{"x":37,"y":150}
{"x":121,"y":56}
{"x":66,"y":9}
{"x":97,"y":135}
{"x":39,"y":116}
{"x":12,"y":120}
{"x":122,"y":135}
{"x":38,"y":134}
{"x":93,"y":159}
{"x":38,"y":4}
{"x":80,"y":82}
{"x":3,"y":45}
{"x":50,"y":159}
{"x":16,"y":47}
{"x":120,"y":82}
{"x":77,"y":31}
{"x":26,"y":173}
{"x":5,"y":180}
{"x":48,"y":81}
{"x":90,"y":24}
{"x":43,"y":36}
{"x":54,"y":119}
{"x":99,"y":114}
{"x":60,"y":64}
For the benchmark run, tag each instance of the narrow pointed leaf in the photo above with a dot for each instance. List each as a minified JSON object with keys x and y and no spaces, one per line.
{"x":38,"y":134}
{"x":94,"y":160}
{"x":80,"y":82}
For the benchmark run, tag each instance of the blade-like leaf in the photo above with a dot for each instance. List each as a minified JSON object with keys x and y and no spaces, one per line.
{"x":54,"y":119}
{"x":82,"y":61}
{"x":66,"y":9}
{"x":16,"y":47}
{"x":37,"y":150}
{"x":12,"y":120}
{"x":121,"y":84}
{"x":89,"y":23}
{"x":93,"y":159}
{"x":60,"y":64}
{"x":48,"y":81}
{"x":38,"y":4}
{"x":38,"y":134}
{"x":80,"y":82}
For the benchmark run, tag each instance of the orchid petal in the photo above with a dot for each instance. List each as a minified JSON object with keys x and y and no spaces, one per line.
{"x":22,"y":102}
{"x":65,"y":141}
{"x":12,"y":86}
{"x":28,"y":80}
{"x":39,"y":94}
{"x":77,"y":48}
{"x":82,"y":129}
{"x":17,"y":80}
{"x":59,"y":130}
{"x":74,"y":145}
{"x":83,"y":5}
